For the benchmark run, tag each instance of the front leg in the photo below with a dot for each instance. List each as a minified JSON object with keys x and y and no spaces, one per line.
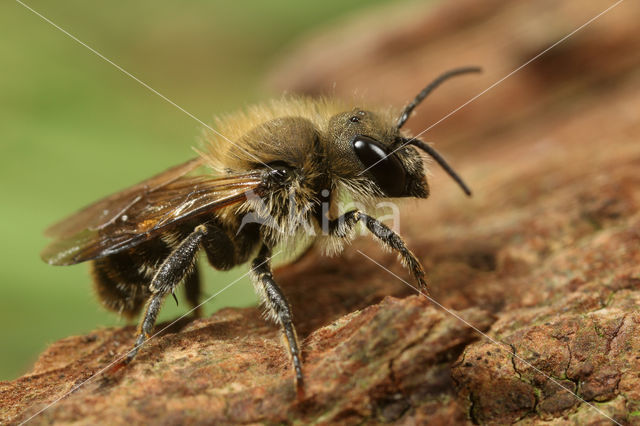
{"x":342,"y":226}
{"x":277,"y":306}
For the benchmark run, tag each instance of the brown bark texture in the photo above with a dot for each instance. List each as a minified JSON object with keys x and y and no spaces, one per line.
{"x":544,"y":259}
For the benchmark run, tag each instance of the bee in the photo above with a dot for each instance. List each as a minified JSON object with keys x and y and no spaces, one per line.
{"x":285,"y":165}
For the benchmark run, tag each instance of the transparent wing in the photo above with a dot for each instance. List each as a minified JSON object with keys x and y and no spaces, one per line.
{"x":105,"y":211}
{"x":141,"y":212}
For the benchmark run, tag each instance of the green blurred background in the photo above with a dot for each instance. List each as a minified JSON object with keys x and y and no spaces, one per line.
{"x":73,"y":129}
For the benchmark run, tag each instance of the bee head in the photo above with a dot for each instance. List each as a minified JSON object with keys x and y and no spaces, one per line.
{"x":362,"y":149}
{"x":383,"y":154}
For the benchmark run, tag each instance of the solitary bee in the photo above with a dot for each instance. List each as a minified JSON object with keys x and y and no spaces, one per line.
{"x":285,"y":165}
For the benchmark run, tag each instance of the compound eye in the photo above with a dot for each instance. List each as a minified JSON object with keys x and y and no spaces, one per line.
{"x":387,"y":170}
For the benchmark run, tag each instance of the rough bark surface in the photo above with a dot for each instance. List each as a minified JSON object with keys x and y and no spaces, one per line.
{"x":545,"y":259}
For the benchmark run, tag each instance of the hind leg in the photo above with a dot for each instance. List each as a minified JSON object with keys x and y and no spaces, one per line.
{"x":192,"y":290}
{"x":174,"y":268}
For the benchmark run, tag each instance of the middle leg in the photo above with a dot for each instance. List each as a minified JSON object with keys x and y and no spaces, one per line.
{"x":277,"y":306}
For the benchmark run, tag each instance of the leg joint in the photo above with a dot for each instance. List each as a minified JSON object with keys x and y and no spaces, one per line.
{"x":342,"y":225}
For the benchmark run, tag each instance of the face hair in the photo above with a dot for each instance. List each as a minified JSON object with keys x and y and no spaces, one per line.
{"x":404,"y":116}
{"x":443,"y":163}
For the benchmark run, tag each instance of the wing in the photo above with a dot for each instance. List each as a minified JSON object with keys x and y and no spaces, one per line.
{"x":142,"y":212}
{"x":105,"y":211}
